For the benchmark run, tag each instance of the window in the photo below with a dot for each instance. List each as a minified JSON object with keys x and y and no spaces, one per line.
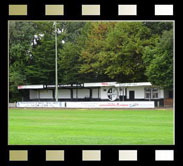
{"x":154,"y":93}
{"x":151,"y":93}
{"x":147,"y":93}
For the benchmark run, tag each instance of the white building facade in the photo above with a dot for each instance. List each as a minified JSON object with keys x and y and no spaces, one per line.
{"x":102,"y":91}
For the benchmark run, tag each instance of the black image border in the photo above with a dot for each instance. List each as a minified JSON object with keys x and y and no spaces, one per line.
{"x":73,"y":153}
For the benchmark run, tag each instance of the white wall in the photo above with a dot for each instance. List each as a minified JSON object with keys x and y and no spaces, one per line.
{"x":82,"y":93}
{"x":33,"y":94}
{"x":64,"y":93}
{"x":46,"y":94}
{"x":95,"y":93}
{"x":161,"y":93}
{"x":103,"y":94}
{"x":139,"y":92}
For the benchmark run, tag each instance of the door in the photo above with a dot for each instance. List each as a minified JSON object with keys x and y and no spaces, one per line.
{"x":131,"y":95}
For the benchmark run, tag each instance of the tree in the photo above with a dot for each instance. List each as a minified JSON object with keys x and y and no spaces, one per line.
{"x":15,"y":79}
{"x":68,"y":65}
{"x":115,"y":50}
{"x":68,"y":55}
{"x":41,"y":69}
{"x":92,"y":53}
{"x":159,"y":61}
{"x":21,"y":35}
{"x":159,"y":27}
{"x":72,"y":31}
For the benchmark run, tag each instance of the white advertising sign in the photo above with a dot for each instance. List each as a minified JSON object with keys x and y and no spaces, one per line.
{"x":30,"y":87}
{"x":133,"y":84}
{"x":123,"y":104}
{"x":41,"y":104}
{"x":99,"y":84}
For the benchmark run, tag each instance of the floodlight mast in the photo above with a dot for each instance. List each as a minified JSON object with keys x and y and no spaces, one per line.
{"x":56,"y":71}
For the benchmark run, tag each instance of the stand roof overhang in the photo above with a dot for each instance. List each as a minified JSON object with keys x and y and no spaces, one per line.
{"x":86,"y":85}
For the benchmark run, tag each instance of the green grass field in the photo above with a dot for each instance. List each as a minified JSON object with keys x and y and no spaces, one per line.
{"x":90,"y":127}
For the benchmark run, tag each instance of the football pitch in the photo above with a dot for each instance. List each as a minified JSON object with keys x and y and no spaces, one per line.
{"x":90,"y":127}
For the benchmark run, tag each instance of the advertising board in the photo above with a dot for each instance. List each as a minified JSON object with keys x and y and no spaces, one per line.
{"x":123,"y":104}
{"x":41,"y":104}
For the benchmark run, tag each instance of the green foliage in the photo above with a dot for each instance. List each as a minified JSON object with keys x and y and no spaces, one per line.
{"x":21,"y":35}
{"x":73,"y":31}
{"x":159,"y":61}
{"x":115,"y":50}
{"x":15,"y":79}
{"x":159,"y":27}
{"x":42,"y":68}
{"x":92,"y":54}
{"x":68,"y":65}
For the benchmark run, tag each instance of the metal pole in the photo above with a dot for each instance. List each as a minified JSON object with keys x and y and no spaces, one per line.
{"x":56,"y":72}
{"x":123,"y":95}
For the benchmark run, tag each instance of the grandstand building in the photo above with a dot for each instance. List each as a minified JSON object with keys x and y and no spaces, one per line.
{"x":101,"y":91}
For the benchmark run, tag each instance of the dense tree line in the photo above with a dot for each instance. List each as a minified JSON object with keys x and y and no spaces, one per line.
{"x":90,"y":52}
